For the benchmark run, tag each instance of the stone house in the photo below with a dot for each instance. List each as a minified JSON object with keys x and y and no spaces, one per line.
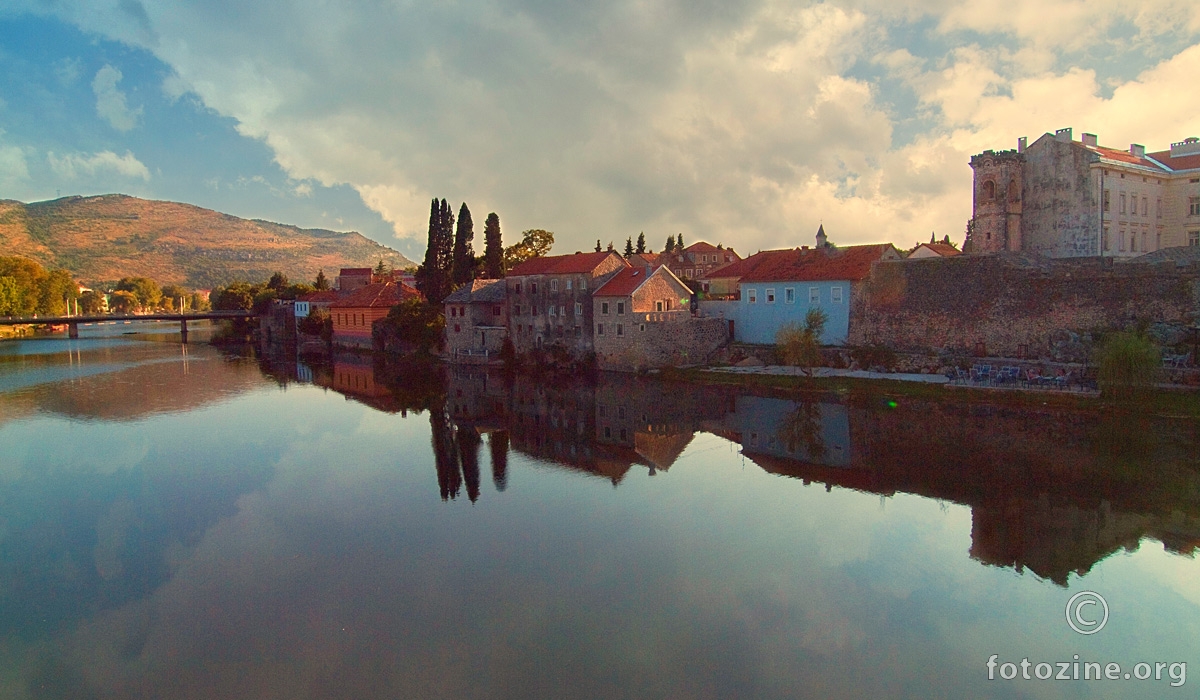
{"x":549,"y":302}
{"x":476,"y":321}
{"x":697,"y":260}
{"x":778,"y":287}
{"x":1059,"y":198}
{"x":643,"y":319}
{"x":933,"y":250}
{"x":354,"y":313}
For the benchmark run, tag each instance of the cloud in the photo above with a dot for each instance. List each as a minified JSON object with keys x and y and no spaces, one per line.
{"x":748,"y":122}
{"x":74,"y":165}
{"x":14,"y":171}
{"x":110,"y":101}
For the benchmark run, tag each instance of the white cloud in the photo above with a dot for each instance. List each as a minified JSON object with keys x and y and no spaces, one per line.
{"x":14,"y":171}
{"x":74,"y":165}
{"x":110,"y":101}
{"x":748,"y":122}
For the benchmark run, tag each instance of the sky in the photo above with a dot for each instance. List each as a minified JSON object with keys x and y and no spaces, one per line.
{"x":743,"y":122}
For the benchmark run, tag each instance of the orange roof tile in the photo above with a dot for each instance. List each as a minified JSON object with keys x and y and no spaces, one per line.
{"x":817,"y":264}
{"x":626,"y":282}
{"x":1189,"y":162}
{"x":355,"y":271}
{"x":1122,"y":156}
{"x":562,"y":264}
{"x":943,"y":249}
{"x":329,"y":295}
{"x":375,"y":295}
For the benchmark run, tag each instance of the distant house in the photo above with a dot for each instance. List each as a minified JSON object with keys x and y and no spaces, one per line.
{"x":933,"y":250}
{"x":476,"y":321}
{"x":306,"y":303}
{"x":643,"y":319}
{"x":352,"y":278}
{"x":698,"y":260}
{"x":354,"y":313}
{"x":550,"y":303}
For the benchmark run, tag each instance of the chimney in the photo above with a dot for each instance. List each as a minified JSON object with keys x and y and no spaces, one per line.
{"x":1063,"y":135}
{"x":1022,"y":143}
{"x":1089,"y":140}
{"x":1137,"y":150}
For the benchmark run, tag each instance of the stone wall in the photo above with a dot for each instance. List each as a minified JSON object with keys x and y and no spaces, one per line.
{"x":668,"y":339}
{"x":1009,"y":304}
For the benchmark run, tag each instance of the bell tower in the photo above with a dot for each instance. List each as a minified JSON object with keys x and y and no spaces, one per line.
{"x":995,"y":224}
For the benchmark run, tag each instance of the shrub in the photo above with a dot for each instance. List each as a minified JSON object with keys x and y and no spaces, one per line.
{"x":800,"y":345}
{"x":1128,"y":365}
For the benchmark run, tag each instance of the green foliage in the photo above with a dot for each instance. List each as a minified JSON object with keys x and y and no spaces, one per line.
{"x":321,"y":284}
{"x":238,"y":296}
{"x":641,"y":243}
{"x":318,"y":322}
{"x":433,"y":276}
{"x":31,"y":289}
{"x":679,"y":243}
{"x":279,"y":280}
{"x":414,"y":322}
{"x":629,"y":246}
{"x":670,"y":244}
{"x":176,"y":298}
{"x":462,"y":265}
{"x":199,"y":302}
{"x":535,"y":243}
{"x":801,"y":345}
{"x":122,"y":302}
{"x":145,"y":289}
{"x":1128,"y":365}
{"x":493,"y":250}
{"x":90,"y":303}
{"x":12,"y":297}
{"x":870,"y":356}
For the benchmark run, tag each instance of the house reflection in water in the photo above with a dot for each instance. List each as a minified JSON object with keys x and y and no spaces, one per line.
{"x":1053,"y":493}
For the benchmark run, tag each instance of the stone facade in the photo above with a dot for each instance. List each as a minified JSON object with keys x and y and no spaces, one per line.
{"x":1016,"y":305}
{"x":476,"y":321}
{"x":549,"y":300}
{"x":1064,"y":198}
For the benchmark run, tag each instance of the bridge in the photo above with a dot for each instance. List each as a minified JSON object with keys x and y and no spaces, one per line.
{"x":72,"y":322}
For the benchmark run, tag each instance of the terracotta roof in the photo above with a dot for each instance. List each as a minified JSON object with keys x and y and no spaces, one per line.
{"x":562,"y":264}
{"x":386,"y":294}
{"x":646,"y":260}
{"x":737,"y":268}
{"x":479,"y":291}
{"x":701,"y":247}
{"x":328,"y":295}
{"x":627,"y":281}
{"x":1122,"y":156}
{"x":943,"y":249}
{"x":354,"y":271}
{"x":1189,"y":162}
{"x":817,"y":264}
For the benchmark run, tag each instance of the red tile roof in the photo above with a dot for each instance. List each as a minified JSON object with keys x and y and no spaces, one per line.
{"x":651,"y":260}
{"x":1190,"y":162}
{"x":1122,"y":156}
{"x":627,"y":281}
{"x":701,"y":247}
{"x":355,"y":271}
{"x":328,"y":295}
{"x":378,"y":294}
{"x":817,"y":264}
{"x":578,"y":263}
{"x":736,"y":268}
{"x":943,"y":249}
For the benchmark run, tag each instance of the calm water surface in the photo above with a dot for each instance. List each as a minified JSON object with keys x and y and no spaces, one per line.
{"x":183,"y":523}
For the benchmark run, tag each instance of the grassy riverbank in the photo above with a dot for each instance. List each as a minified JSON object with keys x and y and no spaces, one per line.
{"x":1167,"y":403}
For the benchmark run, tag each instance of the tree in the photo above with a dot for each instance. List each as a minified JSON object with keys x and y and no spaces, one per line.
{"x":145,"y":289}
{"x":90,"y":303}
{"x":199,"y":302}
{"x":433,"y":276}
{"x":597,"y":245}
{"x":238,"y":296}
{"x":381,"y":268}
{"x":932,"y":238}
{"x":322,"y":284}
{"x":123,"y":302}
{"x":670,"y":244}
{"x":175,"y":298}
{"x":679,"y":243}
{"x":535,"y":243}
{"x":641,"y":242}
{"x":1128,"y":365}
{"x":462,"y":265}
{"x":54,"y":290}
{"x":12,"y":301}
{"x":493,"y":248}
{"x":629,"y":246}
{"x":416,"y":322}
{"x":279,"y":280}
{"x":801,"y":345}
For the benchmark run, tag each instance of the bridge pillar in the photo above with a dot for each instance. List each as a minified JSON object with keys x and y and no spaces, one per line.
{"x":73,"y":331}
{"x":183,"y":330}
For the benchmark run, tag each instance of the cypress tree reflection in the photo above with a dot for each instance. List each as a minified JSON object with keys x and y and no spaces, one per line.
{"x":468,"y":453}
{"x":498,"y":446}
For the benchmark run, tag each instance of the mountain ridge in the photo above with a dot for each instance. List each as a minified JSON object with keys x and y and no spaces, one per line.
{"x":102,"y":238}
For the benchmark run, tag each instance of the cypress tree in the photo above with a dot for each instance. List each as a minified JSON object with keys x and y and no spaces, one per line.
{"x":322,"y":283}
{"x":679,"y":243}
{"x":629,"y":246}
{"x":426,"y":273}
{"x":641,"y":244}
{"x":670,"y":244}
{"x":493,"y":248}
{"x":597,"y":245}
{"x":462,"y":266}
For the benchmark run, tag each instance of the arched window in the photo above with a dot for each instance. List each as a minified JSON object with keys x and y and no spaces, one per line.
{"x":989,"y":191}
{"x":1014,"y":194}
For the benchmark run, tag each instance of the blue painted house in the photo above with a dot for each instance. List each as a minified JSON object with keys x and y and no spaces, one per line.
{"x":778,"y":287}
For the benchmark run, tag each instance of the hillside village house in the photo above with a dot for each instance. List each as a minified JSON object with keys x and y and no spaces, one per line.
{"x":698,"y":259}
{"x":1064,"y":198}
{"x":355,"y":312}
{"x":778,"y":287}
{"x":933,"y":250}
{"x":476,"y":321}
{"x":549,"y":299}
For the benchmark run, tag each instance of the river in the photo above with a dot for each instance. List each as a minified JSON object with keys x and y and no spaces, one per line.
{"x":188,"y":522}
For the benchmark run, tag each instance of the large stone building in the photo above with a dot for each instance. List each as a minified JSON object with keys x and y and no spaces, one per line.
{"x":1064,"y":198}
{"x":550,"y":300}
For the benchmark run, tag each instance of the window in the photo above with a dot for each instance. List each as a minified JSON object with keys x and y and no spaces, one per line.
{"x":1121,"y":241}
{"x":578,"y":332}
{"x":1193,"y":206}
{"x":789,"y":295}
{"x":814,"y":295}
{"x":1122,"y":202}
{"x":568,"y":285}
{"x":583,"y":284}
{"x":1106,"y":239}
{"x":562,"y":310}
{"x":770,"y":295}
{"x":1158,"y":209}
{"x":456,"y":328}
{"x":517,"y":288}
{"x":1145,"y":206}
{"x":752,"y":296}
{"x":658,"y":306}
{"x":835,"y":295}
{"x":620,"y":308}
{"x":554,"y":285}
{"x":578,"y":309}
{"x":643,"y":328}
{"x":620,"y":329}
{"x":604,"y":308}
{"x":1106,"y":202}
{"x":496,"y":310}
{"x":599,"y":329}
{"x":533,"y":285}
{"x":552,"y":311}
{"x":516,"y":309}
{"x":1145,"y":237}
{"x":453,"y":311}
{"x":1193,"y":237}
{"x":989,"y":191}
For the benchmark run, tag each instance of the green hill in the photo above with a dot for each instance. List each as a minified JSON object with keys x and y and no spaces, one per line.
{"x":101,"y":239}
